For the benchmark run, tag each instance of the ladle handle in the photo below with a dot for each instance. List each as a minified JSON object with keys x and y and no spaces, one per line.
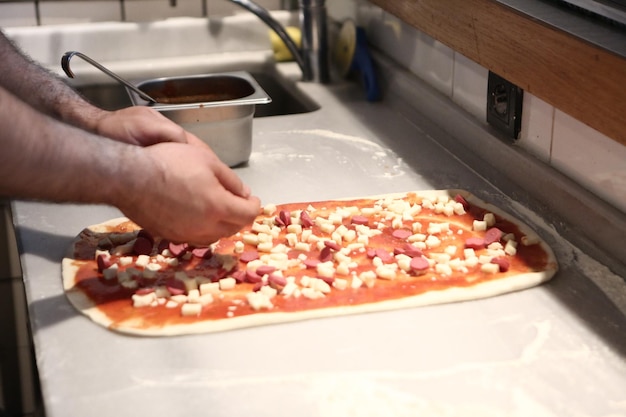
{"x":65,"y":64}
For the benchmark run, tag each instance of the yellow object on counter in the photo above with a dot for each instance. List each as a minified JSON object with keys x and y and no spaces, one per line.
{"x":281,"y":52}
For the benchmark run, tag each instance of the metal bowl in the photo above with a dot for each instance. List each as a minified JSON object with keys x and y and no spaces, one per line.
{"x":218,"y":108}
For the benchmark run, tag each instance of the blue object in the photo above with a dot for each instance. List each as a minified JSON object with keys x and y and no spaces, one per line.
{"x":362,"y":62}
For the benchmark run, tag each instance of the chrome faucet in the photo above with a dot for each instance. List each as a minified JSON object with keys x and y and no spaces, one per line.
{"x":312,"y":58}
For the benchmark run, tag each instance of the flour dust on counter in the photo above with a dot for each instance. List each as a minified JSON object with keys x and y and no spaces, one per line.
{"x":305,"y":260}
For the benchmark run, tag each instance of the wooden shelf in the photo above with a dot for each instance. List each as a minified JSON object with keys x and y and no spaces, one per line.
{"x":583,"y":80}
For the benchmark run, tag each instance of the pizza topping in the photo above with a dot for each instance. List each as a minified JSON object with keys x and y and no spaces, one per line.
{"x":492,"y":235}
{"x":502,"y":263}
{"x":419,"y":264}
{"x":475,"y":243}
{"x":313,"y":254}
{"x":177,"y":249}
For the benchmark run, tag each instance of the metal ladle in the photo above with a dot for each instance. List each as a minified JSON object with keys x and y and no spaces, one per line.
{"x":65,"y":64}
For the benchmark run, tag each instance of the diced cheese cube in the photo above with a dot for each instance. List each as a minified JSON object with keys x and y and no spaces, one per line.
{"x":292,"y":239}
{"x":269,"y":291}
{"x":404,"y":262}
{"x":193,"y":296}
{"x":457,"y":264}
{"x":490,"y":268}
{"x":239,"y":246}
{"x":265,"y":247}
{"x":385,"y":272}
{"x":366,"y":277}
{"x":340,"y":283}
{"x":356,"y":283}
{"x":490,"y":219}
{"x":289,"y":289}
{"x":458,"y":209}
{"x":416,"y":227}
{"x":143,"y":300}
{"x":250,"y":239}
{"x":312,"y":294}
{"x":397,"y":222}
{"x":448,"y":210}
{"x":258,"y":300}
{"x":443,"y":269}
{"x":142,"y":260}
{"x":126,"y":260}
{"x":450,"y":250}
{"x":484,"y":259}
{"x":479,"y":225}
{"x":227,"y":283}
{"x":269,"y":209}
{"x":442,"y":258}
{"x":471,"y":262}
{"x":179,"y":298}
{"x":326,"y":269}
{"x":171,"y":304}
{"x":417,"y":237}
{"x":510,"y":248}
{"x":469,"y":253}
{"x":335,"y":218}
{"x":191,"y":309}
{"x":432,"y":241}
{"x":305,"y":247}
{"x":261,"y":228}
{"x":327,"y":228}
{"x":205,"y":299}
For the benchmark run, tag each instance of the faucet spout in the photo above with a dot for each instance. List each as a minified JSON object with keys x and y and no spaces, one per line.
{"x":313,"y":57}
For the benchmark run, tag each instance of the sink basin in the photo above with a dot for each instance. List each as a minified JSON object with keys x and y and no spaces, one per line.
{"x":285,"y":99}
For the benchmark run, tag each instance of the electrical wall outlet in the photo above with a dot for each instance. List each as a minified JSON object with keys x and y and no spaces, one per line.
{"x":504,"y":106}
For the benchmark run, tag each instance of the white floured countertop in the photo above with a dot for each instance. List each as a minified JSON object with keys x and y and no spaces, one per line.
{"x":555,"y":350}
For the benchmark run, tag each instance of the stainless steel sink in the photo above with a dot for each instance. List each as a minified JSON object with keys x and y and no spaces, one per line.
{"x":286,"y":99}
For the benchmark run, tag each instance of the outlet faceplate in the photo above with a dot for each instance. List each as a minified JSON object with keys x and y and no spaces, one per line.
{"x":504,"y":106}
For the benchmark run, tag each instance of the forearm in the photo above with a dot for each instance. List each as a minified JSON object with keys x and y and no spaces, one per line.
{"x":44,"y":90}
{"x":43,"y":158}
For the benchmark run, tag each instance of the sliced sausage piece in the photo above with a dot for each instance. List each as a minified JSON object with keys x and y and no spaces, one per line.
{"x":492,"y":235}
{"x":502,"y":262}
{"x":285,"y":217}
{"x":142,"y":246}
{"x":326,"y":254}
{"x":265,"y":269}
{"x":419,"y":264}
{"x":177,"y":249}
{"x":361,"y":220}
{"x":305,"y":220}
{"x":311,"y":263}
{"x":247,"y":256}
{"x":201,"y":252}
{"x":103,"y":261}
{"x":385,"y":256}
{"x":460,"y":199}
{"x":475,"y":243}
{"x":401,"y":233}
{"x":332,"y":245}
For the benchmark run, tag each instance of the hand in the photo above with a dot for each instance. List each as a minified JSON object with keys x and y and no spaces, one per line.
{"x":141,"y":126}
{"x":186,"y":194}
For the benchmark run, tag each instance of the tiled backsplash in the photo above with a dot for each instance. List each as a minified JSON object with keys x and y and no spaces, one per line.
{"x":589,"y":157}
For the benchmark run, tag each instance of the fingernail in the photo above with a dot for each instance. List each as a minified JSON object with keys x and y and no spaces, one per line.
{"x":245,"y":192}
